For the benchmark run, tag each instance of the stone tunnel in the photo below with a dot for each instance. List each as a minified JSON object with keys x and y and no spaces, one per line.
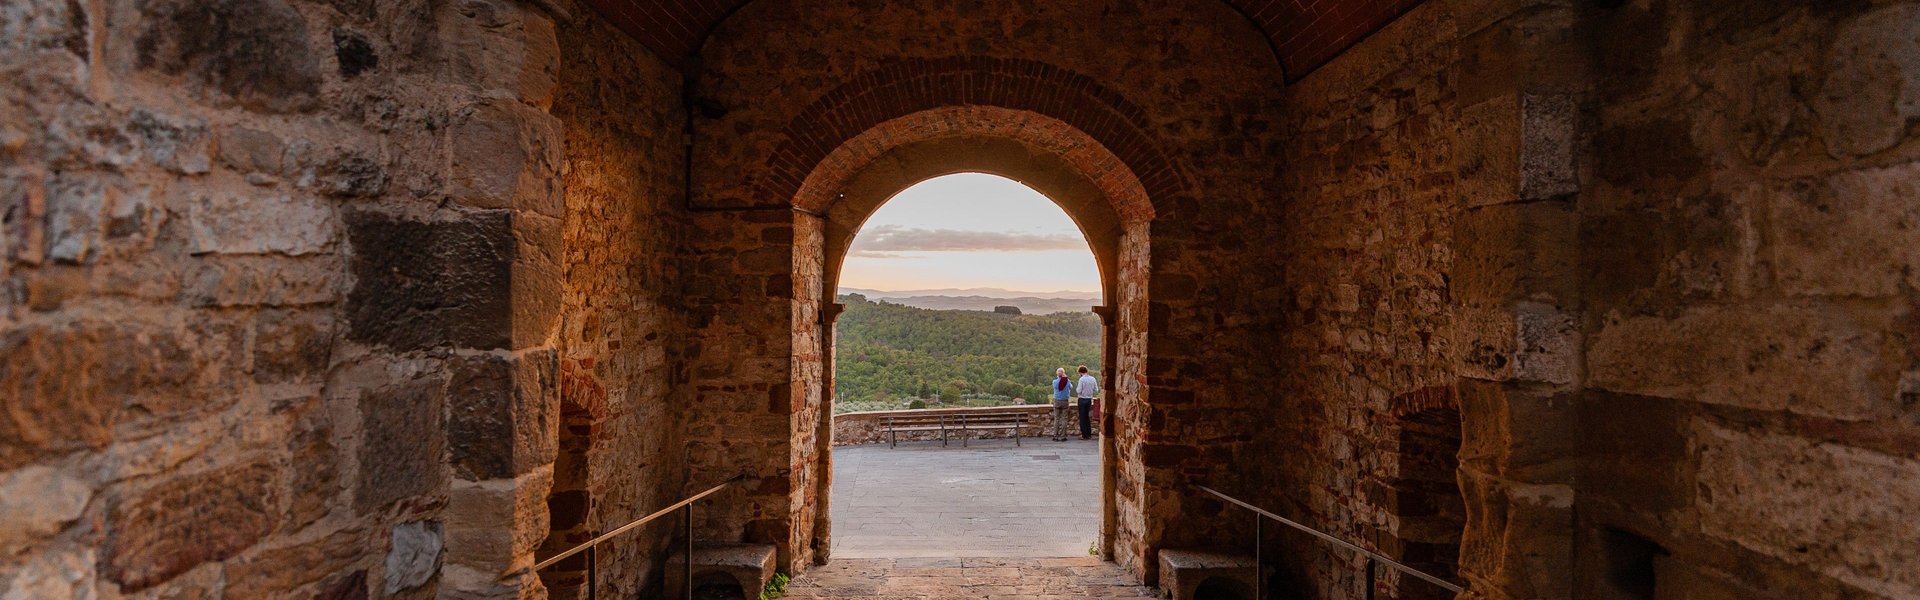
{"x":395,"y":298}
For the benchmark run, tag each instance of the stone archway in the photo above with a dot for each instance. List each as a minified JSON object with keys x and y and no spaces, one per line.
{"x":1089,"y":183}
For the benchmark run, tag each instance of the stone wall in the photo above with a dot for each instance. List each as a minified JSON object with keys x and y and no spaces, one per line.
{"x":621,"y":454}
{"x":1610,"y":268}
{"x":789,"y":80}
{"x":272,"y":325}
{"x":869,"y":427}
{"x":1750,"y":334}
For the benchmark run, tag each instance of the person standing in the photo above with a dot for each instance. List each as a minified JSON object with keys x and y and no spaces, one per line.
{"x":1084,"y":392}
{"x":1062,"y":389}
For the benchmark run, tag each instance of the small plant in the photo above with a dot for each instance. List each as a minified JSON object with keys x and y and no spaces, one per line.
{"x":775,"y":588}
{"x":1093,"y":548}
{"x":917,"y":404}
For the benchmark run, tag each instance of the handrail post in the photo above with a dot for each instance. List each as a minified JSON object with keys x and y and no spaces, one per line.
{"x":1259,"y":579}
{"x":593,"y":575}
{"x":688,"y":573}
{"x":1370,"y":577}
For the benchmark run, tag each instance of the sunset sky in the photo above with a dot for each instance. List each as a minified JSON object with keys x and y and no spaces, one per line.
{"x":970,"y":230}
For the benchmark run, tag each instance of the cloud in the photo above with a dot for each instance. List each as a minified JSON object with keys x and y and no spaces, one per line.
{"x":883,"y":241}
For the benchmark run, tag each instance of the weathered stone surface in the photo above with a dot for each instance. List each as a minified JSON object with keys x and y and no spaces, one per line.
{"x":1871,"y":93}
{"x":403,"y":444}
{"x":1771,"y":358}
{"x":174,"y":143}
{"x":1856,"y":233}
{"x":290,"y":345}
{"x":65,"y":573}
{"x":293,"y":225}
{"x":255,"y":51}
{"x":247,"y":281}
{"x":178,"y":524}
{"x":425,"y":284}
{"x":250,"y":150}
{"x":1837,"y":510}
{"x":507,"y":155}
{"x":490,"y":524}
{"x":37,"y":502}
{"x":314,"y":482}
{"x":272,"y":572}
{"x":65,"y":387}
{"x":502,"y":415}
{"x":414,"y":556}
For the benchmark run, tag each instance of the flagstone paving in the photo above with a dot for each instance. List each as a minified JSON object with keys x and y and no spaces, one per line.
{"x":993,"y":520}
{"x":994,"y":499}
{"x":968,"y":578}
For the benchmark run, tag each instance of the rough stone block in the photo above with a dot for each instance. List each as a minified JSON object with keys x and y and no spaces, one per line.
{"x":256,"y":52}
{"x":1519,"y":537}
{"x":502,"y":45}
{"x":181,"y":523}
{"x":315,"y":460}
{"x":503,"y":415}
{"x":413,"y":558}
{"x":420,"y":284}
{"x":178,"y":144}
{"x":1634,"y":452}
{"x":508,"y":155}
{"x":290,"y":345}
{"x":1855,"y":233}
{"x":403,"y":444}
{"x":293,"y":225}
{"x":1833,"y":509}
{"x":234,"y":281}
{"x":75,"y":218}
{"x":1813,"y":362}
{"x":251,"y":150}
{"x":1516,"y":252}
{"x":62,"y":573}
{"x":1871,"y":93}
{"x":491,"y":524}
{"x":1523,"y":342}
{"x":37,"y":502}
{"x":750,"y":565}
{"x":1518,"y":433}
{"x":68,"y":386}
{"x":1182,"y":572}
{"x":273,"y":572}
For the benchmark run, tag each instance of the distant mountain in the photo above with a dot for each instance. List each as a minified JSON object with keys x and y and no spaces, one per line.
{"x":886,"y":353}
{"x":987,"y":292}
{"x":1033,"y":303}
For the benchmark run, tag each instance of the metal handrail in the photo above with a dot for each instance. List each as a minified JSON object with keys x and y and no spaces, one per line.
{"x":1372,"y":557}
{"x":590,"y":546}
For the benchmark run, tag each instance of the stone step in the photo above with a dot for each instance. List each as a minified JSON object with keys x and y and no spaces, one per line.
{"x":1184,"y":572}
{"x":752,"y":565}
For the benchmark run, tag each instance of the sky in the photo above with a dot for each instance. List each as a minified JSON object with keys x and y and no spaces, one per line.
{"x":970,"y":230}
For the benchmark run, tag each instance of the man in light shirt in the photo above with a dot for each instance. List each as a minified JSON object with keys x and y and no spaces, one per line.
{"x":1085,"y":391}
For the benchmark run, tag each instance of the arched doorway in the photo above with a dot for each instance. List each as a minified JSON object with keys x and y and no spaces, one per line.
{"x":1005,"y":286}
{"x":1091,"y":185}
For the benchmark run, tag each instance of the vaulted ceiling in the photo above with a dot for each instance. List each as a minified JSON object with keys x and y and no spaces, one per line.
{"x":1305,"y":33}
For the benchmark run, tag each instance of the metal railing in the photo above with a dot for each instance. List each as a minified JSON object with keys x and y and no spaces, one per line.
{"x":589,"y":546}
{"x":1374,"y":559}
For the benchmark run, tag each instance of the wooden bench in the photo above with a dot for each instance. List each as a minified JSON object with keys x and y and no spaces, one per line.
{"x":971,"y":421}
{"x":912,"y":423}
{"x":962,"y":423}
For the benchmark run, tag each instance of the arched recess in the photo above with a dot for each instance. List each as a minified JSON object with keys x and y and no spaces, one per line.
{"x":1091,"y":184}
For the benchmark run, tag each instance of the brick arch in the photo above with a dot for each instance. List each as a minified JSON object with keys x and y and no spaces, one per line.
{"x":1127,"y":194}
{"x":910,"y":87}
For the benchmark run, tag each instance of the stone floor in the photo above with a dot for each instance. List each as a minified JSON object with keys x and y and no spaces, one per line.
{"x":967,"y":578}
{"x":990,"y":521}
{"x":920,"y":500}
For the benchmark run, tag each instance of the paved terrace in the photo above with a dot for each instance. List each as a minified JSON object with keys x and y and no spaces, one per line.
{"x":991,"y":521}
{"x":992,"y":500}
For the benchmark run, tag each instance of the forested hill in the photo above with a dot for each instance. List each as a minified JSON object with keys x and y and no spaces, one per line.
{"x":888,"y":355}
